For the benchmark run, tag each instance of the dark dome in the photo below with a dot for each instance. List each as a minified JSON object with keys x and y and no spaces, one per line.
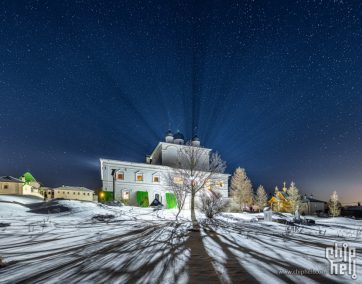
{"x":178,"y":135}
{"x":169,"y":133}
{"x":196,"y":138}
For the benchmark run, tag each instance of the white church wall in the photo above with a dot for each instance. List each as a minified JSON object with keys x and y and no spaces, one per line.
{"x":130,"y":183}
{"x":169,"y":154}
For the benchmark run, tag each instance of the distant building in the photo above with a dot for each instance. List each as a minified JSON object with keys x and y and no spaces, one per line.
{"x":25,"y":185}
{"x":140,"y":181}
{"x":30,"y":186}
{"x":10,"y":185}
{"x":355,"y":211}
{"x":279,"y":202}
{"x":69,"y":192}
{"x":311,"y":205}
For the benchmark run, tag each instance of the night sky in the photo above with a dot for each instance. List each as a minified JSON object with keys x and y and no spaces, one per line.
{"x":273,"y":86}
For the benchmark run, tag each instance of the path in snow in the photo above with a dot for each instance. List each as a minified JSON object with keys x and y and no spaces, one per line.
{"x":146,"y":246}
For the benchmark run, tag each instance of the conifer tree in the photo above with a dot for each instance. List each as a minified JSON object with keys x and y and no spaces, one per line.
{"x":334,"y":205}
{"x":276,"y":191}
{"x":293,"y":199}
{"x":261,"y":198}
{"x":241,"y":189}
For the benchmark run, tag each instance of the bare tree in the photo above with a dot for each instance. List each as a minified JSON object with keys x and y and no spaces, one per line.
{"x":334,"y":205}
{"x":177,"y":188}
{"x":261,"y":198}
{"x":241,"y":189}
{"x":212,"y":203}
{"x":194,"y":170}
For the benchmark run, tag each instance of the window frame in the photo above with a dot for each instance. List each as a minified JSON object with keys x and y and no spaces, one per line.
{"x":126,"y":192}
{"x":137,"y":174}
{"x":180,"y":180}
{"x":158,"y":176}
{"x":218,"y":182}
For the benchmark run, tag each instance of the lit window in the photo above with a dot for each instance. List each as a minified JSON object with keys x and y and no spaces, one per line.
{"x":126,"y":195}
{"x":178,"y":180}
{"x":315,"y":205}
{"x":207,"y":184}
{"x":219,"y":183}
{"x":120,"y":176}
{"x":139,"y":177}
{"x":155,"y":179}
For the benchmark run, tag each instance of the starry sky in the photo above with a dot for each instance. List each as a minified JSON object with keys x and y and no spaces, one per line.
{"x":273,"y":86}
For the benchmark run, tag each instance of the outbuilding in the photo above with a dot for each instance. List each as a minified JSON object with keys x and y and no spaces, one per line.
{"x":311,"y":205}
{"x":70,"y":192}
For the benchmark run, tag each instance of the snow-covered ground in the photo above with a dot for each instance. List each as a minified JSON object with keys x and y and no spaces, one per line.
{"x":142,"y":245}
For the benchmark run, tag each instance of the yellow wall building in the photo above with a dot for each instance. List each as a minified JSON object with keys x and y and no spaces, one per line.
{"x":279,"y":202}
{"x":70,"y":192}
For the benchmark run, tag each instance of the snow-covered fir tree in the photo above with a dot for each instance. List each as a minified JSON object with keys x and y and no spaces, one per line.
{"x":261,"y":198}
{"x":334,"y":205}
{"x":276,"y":191}
{"x":241,"y":189}
{"x":293,"y":198}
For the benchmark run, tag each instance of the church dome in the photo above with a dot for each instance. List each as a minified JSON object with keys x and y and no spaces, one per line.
{"x":196,"y":141}
{"x":195,"y":138}
{"x":178,"y":135}
{"x":169,"y":133}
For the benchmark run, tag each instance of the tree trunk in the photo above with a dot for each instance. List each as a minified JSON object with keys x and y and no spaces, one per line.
{"x":114,"y":186}
{"x":193,"y":216}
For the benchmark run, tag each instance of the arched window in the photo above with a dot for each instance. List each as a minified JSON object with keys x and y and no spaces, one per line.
{"x":6,"y":186}
{"x":126,"y":195}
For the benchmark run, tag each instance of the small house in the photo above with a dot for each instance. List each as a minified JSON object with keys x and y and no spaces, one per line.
{"x":10,"y":185}
{"x":310,"y":205}
{"x":70,"y":192}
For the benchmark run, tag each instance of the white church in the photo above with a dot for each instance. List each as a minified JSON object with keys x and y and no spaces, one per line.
{"x":146,"y":179}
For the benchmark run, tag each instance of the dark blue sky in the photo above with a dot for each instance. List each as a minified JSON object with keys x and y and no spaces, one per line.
{"x":273,"y":86}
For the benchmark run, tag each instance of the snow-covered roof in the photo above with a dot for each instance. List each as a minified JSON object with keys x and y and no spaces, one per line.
{"x":76,"y":188}
{"x":354,"y":208}
{"x":9,"y":179}
{"x":312,"y":200}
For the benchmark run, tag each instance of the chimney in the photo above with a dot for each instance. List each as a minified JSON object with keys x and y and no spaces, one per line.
{"x":63,"y":185}
{"x":305,"y":196}
{"x":359,"y":203}
{"x":23,"y":179}
{"x":311,"y":195}
{"x":148,"y":160}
